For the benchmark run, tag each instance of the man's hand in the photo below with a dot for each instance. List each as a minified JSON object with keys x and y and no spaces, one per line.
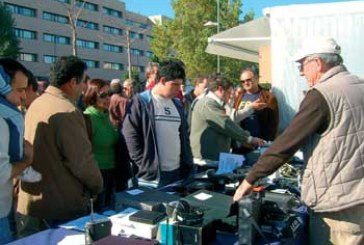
{"x":244,"y":189}
{"x":28,"y":152}
{"x":258,"y":105}
{"x":257,"y":142}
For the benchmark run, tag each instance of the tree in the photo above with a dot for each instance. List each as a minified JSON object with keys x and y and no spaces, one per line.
{"x":162,"y":44}
{"x":185,"y":37}
{"x":9,"y":43}
{"x":134,"y":76}
{"x":74,"y":10}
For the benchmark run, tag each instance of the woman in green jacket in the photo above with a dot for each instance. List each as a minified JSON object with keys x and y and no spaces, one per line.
{"x":104,"y":137}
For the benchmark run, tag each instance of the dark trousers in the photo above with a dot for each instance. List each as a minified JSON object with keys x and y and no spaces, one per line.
{"x":104,"y":200}
{"x":28,"y":225}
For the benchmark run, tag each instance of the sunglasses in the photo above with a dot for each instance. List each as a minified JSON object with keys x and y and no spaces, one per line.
{"x":247,"y":80}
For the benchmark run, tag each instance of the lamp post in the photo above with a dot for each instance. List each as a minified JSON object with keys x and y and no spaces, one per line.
{"x":218,"y":30}
{"x":129,"y":42}
{"x":217,"y":24}
{"x":129,"y":52}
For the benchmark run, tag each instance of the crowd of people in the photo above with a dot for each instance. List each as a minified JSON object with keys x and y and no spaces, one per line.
{"x":83,"y":138}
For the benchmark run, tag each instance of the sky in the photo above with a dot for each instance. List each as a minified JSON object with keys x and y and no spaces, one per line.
{"x":163,"y":7}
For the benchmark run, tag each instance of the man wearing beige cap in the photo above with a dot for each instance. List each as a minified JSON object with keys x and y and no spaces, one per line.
{"x":329,"y":126}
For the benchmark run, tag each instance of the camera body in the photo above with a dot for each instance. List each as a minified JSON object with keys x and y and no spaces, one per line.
{"x":183,"y":213}
{"x":248,"y":218}
{"x":96,"y":230}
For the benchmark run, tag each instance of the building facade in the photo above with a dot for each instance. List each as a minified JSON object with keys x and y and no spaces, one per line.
{"x":43,"y":29}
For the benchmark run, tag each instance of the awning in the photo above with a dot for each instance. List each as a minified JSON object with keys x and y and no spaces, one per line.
{"x":241,"y":42}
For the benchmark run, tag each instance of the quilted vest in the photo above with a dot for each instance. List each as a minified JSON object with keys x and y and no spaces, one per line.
{"x":334,"y":176}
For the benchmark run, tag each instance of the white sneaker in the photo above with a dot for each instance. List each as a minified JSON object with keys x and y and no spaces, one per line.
{"x":30,"y":175}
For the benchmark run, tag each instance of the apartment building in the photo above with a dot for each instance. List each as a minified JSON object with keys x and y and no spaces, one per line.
{"x":43,"y":29}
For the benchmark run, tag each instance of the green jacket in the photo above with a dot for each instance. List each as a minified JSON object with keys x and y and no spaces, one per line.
{"x":212,"y":129}
{"x":104,"y":137}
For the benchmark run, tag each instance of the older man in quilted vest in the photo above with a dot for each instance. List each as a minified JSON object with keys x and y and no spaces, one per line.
{"x":329,"y":125}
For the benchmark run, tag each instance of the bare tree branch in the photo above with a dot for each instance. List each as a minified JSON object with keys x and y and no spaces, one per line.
{"x":74,"y":12}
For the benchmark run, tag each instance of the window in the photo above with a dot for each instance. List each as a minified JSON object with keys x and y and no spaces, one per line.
{"x":136,"y":35}
{"x":16,"y":9}
{"x":137,"y":24}
{"x":56,"y":39}
{"x":25,"y":34}
{"x":149,"y":38}
{"x":113,"y":48}
{"x":149,"y":54}
{"x":137,"y":52}
{"x":88,"y":24}
{"x":144,"y":26}
{"x":113,"y":30}
{"x":137,"y":68}
{"x":28,"y":57}
{"x":87,"y":44}
{"x":62,"y":1}
{"x":113,"y":66}
{"x":87,"y":5}
{"x":113,"y":12}
{"x":129,"y":22}
{"x":92,"y":63}
{"x":49,"y":59}
{"x":55,"y":17}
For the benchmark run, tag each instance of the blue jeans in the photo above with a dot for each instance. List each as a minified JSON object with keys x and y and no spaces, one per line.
{"x":5,"y":233}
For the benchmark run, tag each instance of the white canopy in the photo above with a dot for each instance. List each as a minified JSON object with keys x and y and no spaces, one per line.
{"x":241,"y":42}
{"x":285,"y":29}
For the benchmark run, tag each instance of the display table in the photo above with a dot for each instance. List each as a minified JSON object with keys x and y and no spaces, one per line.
{"x":47,"y":237}
{"x":54,"y":236}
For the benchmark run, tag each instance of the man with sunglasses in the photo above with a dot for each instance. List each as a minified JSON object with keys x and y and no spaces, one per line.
{"x":263,"y":121}
{"x":329,"y":127}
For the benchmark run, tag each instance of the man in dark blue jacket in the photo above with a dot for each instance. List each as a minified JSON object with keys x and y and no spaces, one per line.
{"x":155,"y":130}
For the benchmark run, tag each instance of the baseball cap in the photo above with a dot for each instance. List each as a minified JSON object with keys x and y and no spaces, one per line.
{"x":317,"y":45}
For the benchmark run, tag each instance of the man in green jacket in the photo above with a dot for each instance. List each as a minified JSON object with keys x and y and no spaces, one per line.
{"x":211,"y":127}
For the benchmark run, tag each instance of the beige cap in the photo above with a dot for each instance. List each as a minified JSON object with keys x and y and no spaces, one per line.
{"x":317,"y":45}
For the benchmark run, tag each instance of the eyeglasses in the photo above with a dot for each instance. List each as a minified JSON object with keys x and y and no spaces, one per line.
{"x":247,"y":80}
{"x":304,"y":62}
{"x":103,"y":95}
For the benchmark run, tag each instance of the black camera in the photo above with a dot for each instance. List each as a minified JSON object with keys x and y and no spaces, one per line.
{"x":96,"y":229}
{"x":184,"y":214}
{"x":283,"y":226}
{"x":279,"y":203}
